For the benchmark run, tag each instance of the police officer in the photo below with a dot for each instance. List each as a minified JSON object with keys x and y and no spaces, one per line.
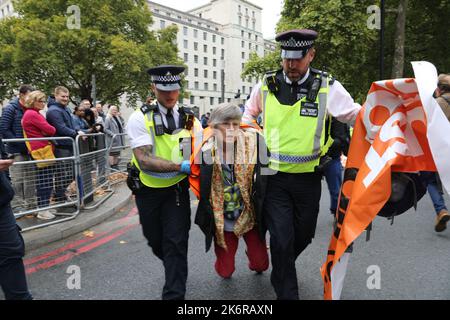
{"x":160,"y":136}
{"x":295,"y":103}
{"x":12,"y":249}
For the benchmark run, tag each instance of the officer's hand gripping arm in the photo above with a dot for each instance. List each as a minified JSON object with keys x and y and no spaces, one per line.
{"x":147,"y":161}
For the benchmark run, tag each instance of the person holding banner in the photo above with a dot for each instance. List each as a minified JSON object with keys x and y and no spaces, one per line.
{"x":295,"y":103}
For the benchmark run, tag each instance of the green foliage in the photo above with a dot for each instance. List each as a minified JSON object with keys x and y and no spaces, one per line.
{"x":256,"y":67}
{"x":113,"y":43}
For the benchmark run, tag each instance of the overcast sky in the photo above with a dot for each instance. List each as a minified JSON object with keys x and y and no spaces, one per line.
{"x":270,"y":13}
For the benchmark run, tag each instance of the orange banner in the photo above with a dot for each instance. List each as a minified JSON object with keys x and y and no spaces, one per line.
{"x":390,"y":135}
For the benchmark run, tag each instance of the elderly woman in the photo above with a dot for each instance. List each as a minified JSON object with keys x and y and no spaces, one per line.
{"x":114,"y":125}
{"x":36,"y":126}
{"x":227,"y":171}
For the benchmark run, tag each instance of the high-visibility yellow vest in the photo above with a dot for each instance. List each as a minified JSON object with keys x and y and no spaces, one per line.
{"x":295,"y":135}
{"x":166,"y":146}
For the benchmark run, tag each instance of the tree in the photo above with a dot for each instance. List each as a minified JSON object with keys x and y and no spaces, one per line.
{"x":399,"y":40}
{"x":113,"y":43}
{"x":257,"y":67}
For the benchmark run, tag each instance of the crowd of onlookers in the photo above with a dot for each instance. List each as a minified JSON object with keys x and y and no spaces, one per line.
{"x":25,"y":117}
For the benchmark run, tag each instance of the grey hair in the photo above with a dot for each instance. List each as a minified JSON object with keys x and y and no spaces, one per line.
{"x":225,"y":112}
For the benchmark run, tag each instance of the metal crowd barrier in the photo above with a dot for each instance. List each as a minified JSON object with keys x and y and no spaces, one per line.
{"x":124,"y":151}
{"x":35,"y":188}
{"x":82,"y":175}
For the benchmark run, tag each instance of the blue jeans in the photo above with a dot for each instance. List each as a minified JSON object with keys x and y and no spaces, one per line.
{"x":333,"y":176}
{"x":436,"y":194}
{"x":44,"y":185}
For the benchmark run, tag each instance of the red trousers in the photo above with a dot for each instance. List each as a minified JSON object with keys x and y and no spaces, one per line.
{"x":256,"y":253}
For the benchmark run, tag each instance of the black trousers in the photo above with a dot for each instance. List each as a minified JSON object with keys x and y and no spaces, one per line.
{"x":166,"y":227}
{"x":12,"y":272}
{"x":291,"y":208}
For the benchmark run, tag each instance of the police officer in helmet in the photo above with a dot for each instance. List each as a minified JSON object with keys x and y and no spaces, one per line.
{"x":160,"y":136}
{"x":295,"y":102}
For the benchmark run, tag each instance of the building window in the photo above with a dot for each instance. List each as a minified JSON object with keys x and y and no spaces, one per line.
{"x":215,"y":86}
{"x":246,"y":23}
{"x":196,"y":58}
{"x":211,"y":100}
{"x":205,"y":73}
{"x":205,"y":36}
{"x":214,"y":62}
{"x":249,"y":46}
{"x":185,"y":31}
{"x":192,"y":98}
{"x":239,"y":8}
{"x":243,"y":55}
{"x":229,"y":99}
{"x":242,"y":66}
{"x":162,"y":24}
{"x":205,"y":61}
{"x":205,"y":48}
{"x":240,"y":20}
{"x":243,"y":89}
{"x":186,"y":56}
{"x":242,"y":33}
{"x":223,"y":54}
{"x":246,"y":11}
{"x":206,"y":85}
{"x":256,"y":48}
{"x":214,"y":50}
{"x":196,"y":46}
{"x":196,"y":72}
{"x":214,"y":74}
{"x":242,"y":44}
{"x":253,"y":23}
{"x":185,"y":44}
{"x":196,"y":85}
{"x":253,"y":14}
{"x":222,"y":40}
{"x":249,"y":35}
{"x":195,"y":33}
{"x":214,"y":38}
{"x":256,"y":37}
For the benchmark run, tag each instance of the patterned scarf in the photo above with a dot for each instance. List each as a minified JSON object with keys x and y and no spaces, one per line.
{"x":244,"y":164}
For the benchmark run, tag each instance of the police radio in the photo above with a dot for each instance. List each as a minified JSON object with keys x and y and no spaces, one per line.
{"x":314,"y":91}
{"x":158,"y":123}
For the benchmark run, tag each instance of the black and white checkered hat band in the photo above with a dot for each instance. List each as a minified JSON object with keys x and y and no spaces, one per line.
{"x":292,"y":43}
{"x":166,"y":79}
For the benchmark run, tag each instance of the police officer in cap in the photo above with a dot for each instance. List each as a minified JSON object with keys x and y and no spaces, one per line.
{"x":296,"y":102}
{"x":160,"y":136}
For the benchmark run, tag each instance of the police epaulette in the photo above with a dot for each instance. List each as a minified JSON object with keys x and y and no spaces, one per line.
{"x":325,"y":74}
{"x":148,"y":107}
{"x":187,"y":110}
{"x":271,"y":73}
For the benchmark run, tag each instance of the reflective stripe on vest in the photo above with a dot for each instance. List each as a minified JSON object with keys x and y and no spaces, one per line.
{"x":295,"y":142}
{"x":166,"y":147}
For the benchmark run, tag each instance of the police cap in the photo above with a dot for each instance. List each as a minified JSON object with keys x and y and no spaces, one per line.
{"x":166,"y":77}
{"x":296,"y":43}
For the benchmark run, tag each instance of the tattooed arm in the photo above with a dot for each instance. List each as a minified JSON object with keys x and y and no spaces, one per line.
{"x":147,"y":161}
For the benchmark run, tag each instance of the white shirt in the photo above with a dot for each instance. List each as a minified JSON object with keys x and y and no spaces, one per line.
{"x":137,"y":131}
{"x":339,"y":104}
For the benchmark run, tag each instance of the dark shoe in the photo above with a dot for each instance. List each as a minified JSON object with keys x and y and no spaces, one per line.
{"x":441,"y":221}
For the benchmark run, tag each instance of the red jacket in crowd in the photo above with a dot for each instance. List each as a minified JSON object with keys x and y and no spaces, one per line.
{"x":36,"y":126}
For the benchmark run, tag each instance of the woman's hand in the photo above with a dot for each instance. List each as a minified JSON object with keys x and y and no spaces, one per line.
{"x":5,"y":164}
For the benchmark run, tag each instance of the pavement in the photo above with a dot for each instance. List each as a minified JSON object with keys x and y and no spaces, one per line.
{"x":37,"y":238}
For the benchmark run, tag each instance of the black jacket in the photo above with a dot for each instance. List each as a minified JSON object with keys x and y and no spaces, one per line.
{"x":204,"y":216}
{"x":6,"y":190}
